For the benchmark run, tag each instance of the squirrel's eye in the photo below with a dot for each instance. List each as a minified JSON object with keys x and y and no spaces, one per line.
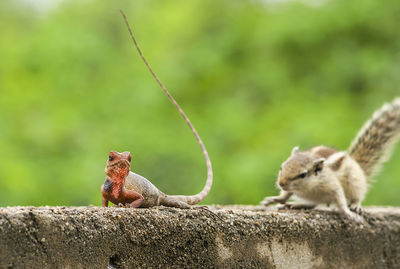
{"x":303,"y":175}
{"x":110,"y":158}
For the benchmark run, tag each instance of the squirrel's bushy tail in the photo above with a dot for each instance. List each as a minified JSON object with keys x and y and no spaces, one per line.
{"x":372,"y":146}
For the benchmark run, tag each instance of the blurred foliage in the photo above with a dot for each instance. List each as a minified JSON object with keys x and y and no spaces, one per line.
{"x":255,"y":77}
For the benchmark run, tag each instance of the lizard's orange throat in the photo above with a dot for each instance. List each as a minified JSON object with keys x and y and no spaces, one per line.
{"x":117,"y":189}
{"x":117,"y":175}
{"x":117,"y":184}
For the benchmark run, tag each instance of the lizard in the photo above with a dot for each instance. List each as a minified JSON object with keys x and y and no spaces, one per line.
{"x":122,"y":186}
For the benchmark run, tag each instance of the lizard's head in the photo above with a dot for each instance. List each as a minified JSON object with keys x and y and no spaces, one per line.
{"x":117,"y":169}
{"x":297,"y":170}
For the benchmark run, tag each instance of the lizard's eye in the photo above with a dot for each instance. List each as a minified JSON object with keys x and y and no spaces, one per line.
{"x":129,"y":158}
{"x":110,"y":158}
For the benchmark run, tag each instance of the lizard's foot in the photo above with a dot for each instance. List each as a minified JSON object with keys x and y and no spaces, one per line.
{"x":172,"y":202}
{"x":297,"y":206}
{"x":205,"y":208}
{"x":271,"y":200}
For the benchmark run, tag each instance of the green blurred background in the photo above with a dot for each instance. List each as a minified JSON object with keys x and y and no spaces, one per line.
{"x":255,"y":77}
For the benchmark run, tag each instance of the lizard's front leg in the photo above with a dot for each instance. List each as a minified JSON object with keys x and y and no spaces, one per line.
{"x":103,"y":199}
{"x":104,"y":202}
{"x":134,"y":198}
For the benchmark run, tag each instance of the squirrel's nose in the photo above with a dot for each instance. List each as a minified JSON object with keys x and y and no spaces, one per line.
{"x":282,"y":183}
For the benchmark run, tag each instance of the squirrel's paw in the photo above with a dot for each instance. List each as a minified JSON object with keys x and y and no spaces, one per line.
{"x":270,"y":200}
{"x":284,"y":206}
{"x":297,"y":206}
{"x":356,"y":209}
{"x":355,"y":217}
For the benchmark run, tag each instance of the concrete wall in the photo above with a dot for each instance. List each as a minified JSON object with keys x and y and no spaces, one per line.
{"x":93,"y":237}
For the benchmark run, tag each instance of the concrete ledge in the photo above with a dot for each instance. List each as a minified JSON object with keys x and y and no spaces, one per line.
{"x":94,"y":237}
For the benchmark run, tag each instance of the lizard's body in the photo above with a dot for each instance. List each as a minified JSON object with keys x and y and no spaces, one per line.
{"x":122,"y":186}
{"x":152,"y":195}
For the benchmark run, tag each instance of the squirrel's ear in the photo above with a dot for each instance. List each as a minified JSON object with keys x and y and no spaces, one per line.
{"x":294,"y":150}
{"x":318,"y":165}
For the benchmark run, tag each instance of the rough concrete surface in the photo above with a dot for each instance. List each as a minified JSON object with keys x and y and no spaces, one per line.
{"x":244,"y":236}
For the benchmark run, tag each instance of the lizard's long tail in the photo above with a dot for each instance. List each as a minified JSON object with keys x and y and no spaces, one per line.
{"x":194,"y":199}
{"x":373,"y":144}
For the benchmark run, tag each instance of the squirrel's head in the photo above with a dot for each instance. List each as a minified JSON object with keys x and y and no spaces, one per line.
{"x":297,"y":169}
{"x":117,"y":169}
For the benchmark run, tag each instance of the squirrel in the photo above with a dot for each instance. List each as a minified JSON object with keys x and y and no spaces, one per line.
{"x":125,"y":187}
{"x":323,"y":175}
